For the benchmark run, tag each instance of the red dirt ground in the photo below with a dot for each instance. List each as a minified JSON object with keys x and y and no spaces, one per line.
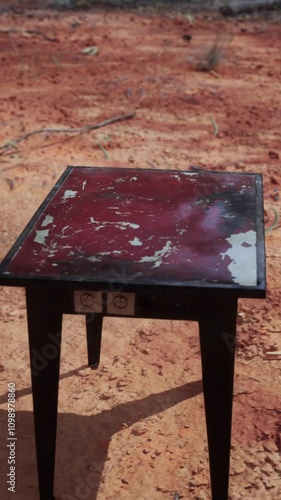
{"x":135,"y":428}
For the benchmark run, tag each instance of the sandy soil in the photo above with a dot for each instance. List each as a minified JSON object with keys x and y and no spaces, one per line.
{"x":135,"y":428}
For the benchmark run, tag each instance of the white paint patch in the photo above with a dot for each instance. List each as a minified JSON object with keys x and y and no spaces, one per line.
{"x":95,"y":258}
{"x":177,"y":177}
{"x":69,"y":194}
{"x":40,"y":236}
{"x":136,"y":242}
{"x":243,"y":255}
{"x":48,"y":220}
{"x":133,"y":179}
{"x":159,"y":255}
{"x":83,"y":185}
{"x":52,"y":253}
{"x":64,"y":229}
{"x":118,"y":225}
{"x":99,"y":256}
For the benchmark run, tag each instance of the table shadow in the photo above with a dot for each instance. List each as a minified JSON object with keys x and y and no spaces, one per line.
{"x":83,"y":441}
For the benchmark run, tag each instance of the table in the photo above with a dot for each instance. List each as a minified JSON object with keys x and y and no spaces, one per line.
{"x":148,"y":244}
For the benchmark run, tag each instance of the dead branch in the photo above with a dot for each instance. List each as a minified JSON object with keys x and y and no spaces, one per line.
{"x":28,"y":32}
{"x":12,"y":143}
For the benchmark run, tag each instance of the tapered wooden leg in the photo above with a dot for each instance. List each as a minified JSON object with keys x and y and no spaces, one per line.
{"x":217,"y":327}
{"x":44,"y":316}
{"x":94,"y":333}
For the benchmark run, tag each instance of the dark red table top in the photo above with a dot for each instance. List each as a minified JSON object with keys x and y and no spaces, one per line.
{"x":144,"y":227}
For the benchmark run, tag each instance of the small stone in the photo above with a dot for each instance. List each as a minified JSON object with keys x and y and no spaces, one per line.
{"x":267,"y":469}
{"x":250,"y":477}
{"x":273,"y":180}
{"x":274,"y":196}
{"x":145,"y":351}
{"x":169,"y":450}
{"x":121,"y":383}
{"x":240,"y":165}
{"x":273,"y":155}
{"x":105,"y":396}
{"x":268,"y":483}
{"x":124,"y":481}
{"x":146,"y":451}
{"x":13,"y":313}
{"x":139,"y":430}
{"x":273,"y":347}
{"x":238,"y":466}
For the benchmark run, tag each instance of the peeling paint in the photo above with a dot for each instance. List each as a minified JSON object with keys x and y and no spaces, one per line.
{"x":48,"y":220}
{"x":243,"y":266}
{"x":83,"y":185}
{"x":100,"y":255}
{"x":40,"y":236}
{"x":95,"y":258}
{"x":118,"y":225}
{"x":158,"y":255}
{"x":69,"y":194}
{"x":133,"y":179}
{"x":136,"y":242}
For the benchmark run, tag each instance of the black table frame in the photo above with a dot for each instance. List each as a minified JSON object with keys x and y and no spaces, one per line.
{"x":213,"y":305}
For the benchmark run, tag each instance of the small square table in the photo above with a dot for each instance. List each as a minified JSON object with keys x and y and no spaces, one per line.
{"x":147,"y":244}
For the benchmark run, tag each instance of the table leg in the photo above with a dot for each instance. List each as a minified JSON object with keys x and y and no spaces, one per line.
{"x":217,"y":325}
{"x":44,"y":317}
{"x":94,"y":333}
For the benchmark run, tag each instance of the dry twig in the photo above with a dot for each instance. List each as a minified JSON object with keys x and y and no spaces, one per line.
{"x":28,"y":32}
{"x":275,"y":222}
{"x":78,"y":131}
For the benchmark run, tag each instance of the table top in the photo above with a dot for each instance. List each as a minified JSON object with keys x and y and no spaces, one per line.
{"x":145,"y":227}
